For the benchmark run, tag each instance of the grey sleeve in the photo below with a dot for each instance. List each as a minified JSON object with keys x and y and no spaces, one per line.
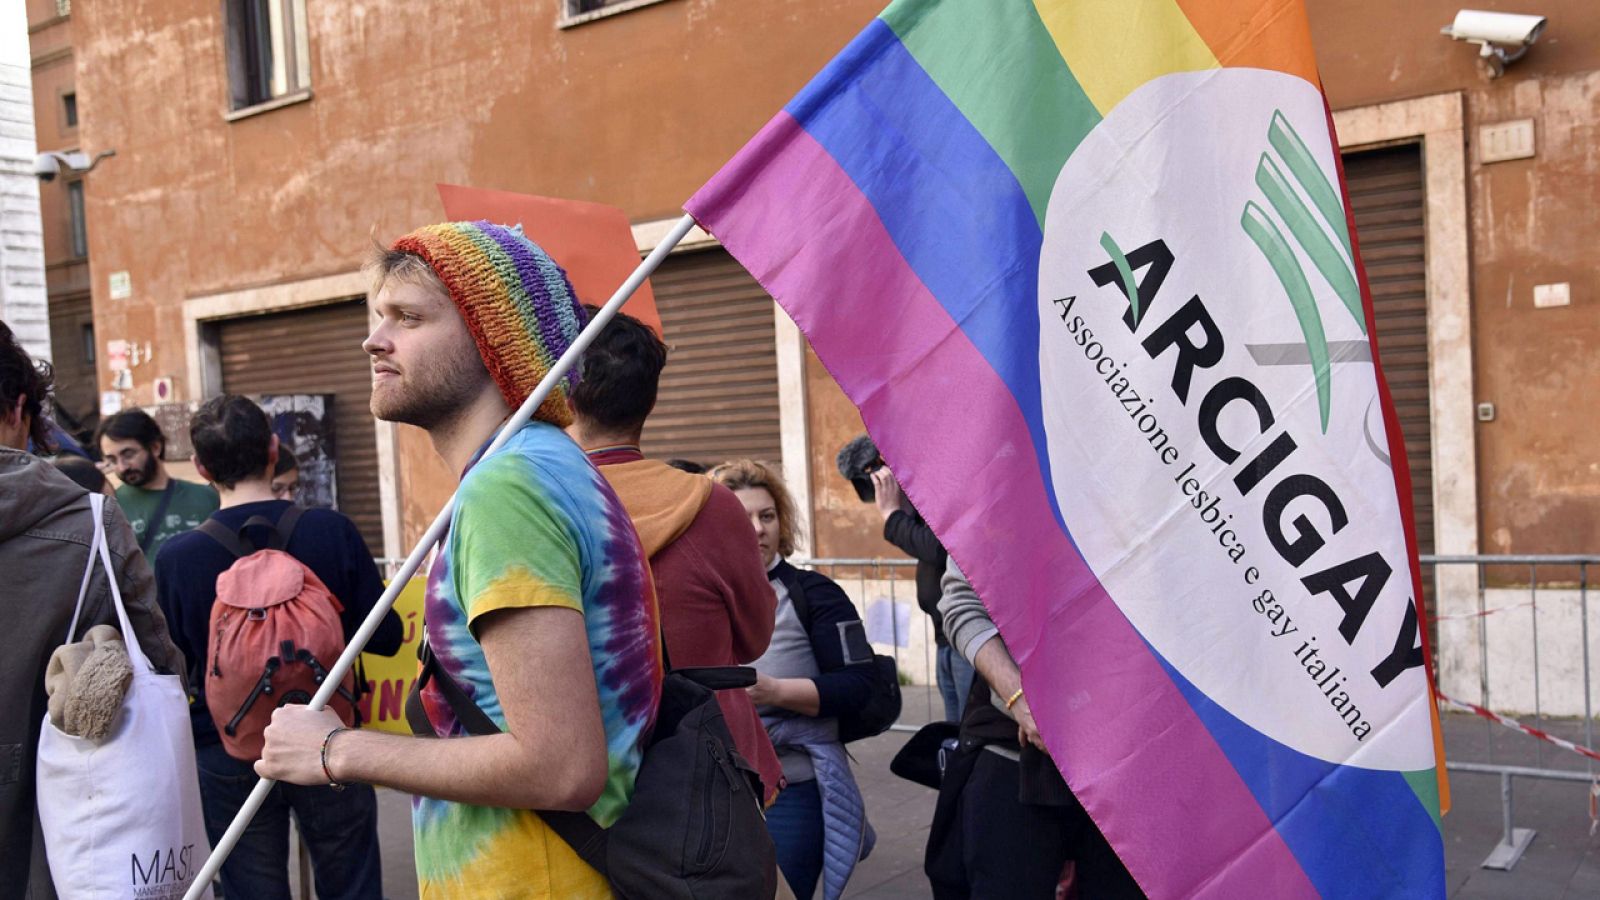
{"x":966,"y":621}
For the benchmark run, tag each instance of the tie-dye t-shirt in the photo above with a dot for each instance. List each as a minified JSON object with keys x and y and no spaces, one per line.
{"x":536,"y":525}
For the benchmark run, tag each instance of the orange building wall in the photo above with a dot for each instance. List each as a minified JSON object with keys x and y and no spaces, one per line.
{"x":1532,"y":221}
{"x":639,"y":109}
{"x":634,"y":110}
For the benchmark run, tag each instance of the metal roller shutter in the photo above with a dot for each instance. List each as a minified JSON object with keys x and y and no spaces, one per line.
{"x":1386,"y":195}
{"x":317,"y":351}
{"x":719,"y":392}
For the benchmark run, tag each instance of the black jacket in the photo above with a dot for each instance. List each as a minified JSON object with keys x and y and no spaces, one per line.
{"x":838,"y":640}
{"x":910,"y":533}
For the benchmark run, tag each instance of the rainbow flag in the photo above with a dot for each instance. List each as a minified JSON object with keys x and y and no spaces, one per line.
{"x":1087,"y":269}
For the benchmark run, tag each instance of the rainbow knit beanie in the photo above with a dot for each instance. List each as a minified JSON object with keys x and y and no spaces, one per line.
{"x":516,"y":301}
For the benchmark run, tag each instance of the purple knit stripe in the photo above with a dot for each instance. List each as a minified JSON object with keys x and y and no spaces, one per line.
{"x":512,"y":304}
{"x":529,"y":262}
{"x":569,"y":309}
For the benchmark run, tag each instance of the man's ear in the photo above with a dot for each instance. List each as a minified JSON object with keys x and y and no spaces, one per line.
{"x":159,"y":448}
{"x":205,"y":473}
{"x":272,"y":456}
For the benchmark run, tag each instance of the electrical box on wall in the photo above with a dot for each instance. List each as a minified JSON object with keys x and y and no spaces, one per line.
{"x":1548,"y":295}
{"x":1505,"y":140}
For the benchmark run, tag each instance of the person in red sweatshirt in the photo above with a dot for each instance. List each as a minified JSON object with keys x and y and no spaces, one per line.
{"x":716,"y":603}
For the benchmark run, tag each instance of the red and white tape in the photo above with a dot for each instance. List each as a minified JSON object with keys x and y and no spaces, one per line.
{"x":1487,"y":612}
{"x":1594,"y":786}
{"x":1525,"y":729}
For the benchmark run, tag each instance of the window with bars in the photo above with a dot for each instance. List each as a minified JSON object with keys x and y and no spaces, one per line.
{"x":269,"y":56}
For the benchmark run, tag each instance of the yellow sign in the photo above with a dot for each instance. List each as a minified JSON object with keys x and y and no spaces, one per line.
{"x":389,"y":678}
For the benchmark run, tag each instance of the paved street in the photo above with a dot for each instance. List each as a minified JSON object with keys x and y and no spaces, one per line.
{"x":1563,"y":861}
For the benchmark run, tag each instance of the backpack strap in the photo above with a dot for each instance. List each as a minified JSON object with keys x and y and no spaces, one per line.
{"x":236,"y":543}
{"x":579,"y":831}
{"x":469,"y":714}
{"x":287,"y":522}
{"x":213,"y":529}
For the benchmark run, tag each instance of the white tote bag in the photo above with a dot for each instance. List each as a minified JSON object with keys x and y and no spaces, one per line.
{"x":121,"y":817}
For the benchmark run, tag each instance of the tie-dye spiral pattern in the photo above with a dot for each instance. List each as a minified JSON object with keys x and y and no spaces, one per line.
{"x":536,"y":525}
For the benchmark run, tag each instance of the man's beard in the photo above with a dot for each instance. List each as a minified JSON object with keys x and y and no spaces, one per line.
{"x":431,"y":394}
{"x":142,"y":475}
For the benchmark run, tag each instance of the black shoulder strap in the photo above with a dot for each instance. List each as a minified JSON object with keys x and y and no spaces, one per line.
{"x":469,"y":714}
{"x":153,"y":524}
{"x":287,"y":522}
{"x":277,"y":532}
{"x":580,"y":832}
{"x":229,"y":540}
{"x":236,"y":543}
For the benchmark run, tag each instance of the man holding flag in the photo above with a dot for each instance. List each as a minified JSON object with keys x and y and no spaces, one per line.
{"x":1126,"y":293}
{"x":540,"y":609}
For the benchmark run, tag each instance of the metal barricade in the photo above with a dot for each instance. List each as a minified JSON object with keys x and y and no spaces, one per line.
{"x":1511,"y":632}
{"x":1513,"y":641}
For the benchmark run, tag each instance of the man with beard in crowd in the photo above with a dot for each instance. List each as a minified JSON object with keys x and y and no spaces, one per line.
{"x":157,"y":505}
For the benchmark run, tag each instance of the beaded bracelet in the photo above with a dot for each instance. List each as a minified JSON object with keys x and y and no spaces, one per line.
{"x":1012,"y":700}
{"x":326,"y":742}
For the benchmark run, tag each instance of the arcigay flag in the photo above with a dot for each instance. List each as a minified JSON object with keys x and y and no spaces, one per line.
{"x":1087,"y":269}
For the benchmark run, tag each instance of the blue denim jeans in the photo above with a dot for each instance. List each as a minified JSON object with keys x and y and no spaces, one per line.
{"x":795,"y":823}
{"x":339,"y":827}
{"x":955,"y":682}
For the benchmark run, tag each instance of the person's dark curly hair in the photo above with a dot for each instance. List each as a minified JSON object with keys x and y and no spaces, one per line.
{"x":21,"y":376}
{"x":621,"y":373}
{"x":232,"y":438}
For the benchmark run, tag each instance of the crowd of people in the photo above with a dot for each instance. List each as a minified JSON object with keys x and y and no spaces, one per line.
{"x":575,"y":574}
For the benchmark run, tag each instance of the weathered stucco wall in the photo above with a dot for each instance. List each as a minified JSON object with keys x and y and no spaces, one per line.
{"x":843,"y":526}
{"x":1532,"y":221}
{"x":638,"y":109}
{"x":50,"y":39}
{"x":1535,"y":221}
{"x":635,"y":110}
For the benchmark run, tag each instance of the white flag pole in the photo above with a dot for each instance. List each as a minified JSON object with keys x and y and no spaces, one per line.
{"x":202,"y":879}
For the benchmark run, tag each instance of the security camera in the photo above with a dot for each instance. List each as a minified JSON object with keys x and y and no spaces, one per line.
{"x":46,"y":166}
{"x":1493,"y":32}
{"x":1510,"y":29}
{"x":49,"y":164}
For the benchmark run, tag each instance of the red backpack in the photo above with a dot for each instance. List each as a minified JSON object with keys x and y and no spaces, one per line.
{"x":274,"y":632}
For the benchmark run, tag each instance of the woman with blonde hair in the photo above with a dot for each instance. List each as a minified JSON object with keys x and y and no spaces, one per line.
{"x":818,"y":664}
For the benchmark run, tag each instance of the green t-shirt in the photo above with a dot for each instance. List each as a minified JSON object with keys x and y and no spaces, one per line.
{"x":191,"y":504}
